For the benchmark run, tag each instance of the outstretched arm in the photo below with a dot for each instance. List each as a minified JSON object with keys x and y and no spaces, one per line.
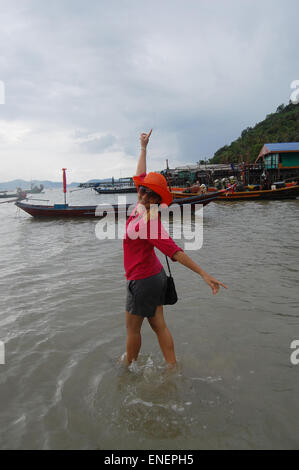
{"x":141,"y":166}
{"x":184,"y":259}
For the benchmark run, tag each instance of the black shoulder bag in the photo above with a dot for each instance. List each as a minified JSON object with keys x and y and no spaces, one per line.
{"x":170,"y":295}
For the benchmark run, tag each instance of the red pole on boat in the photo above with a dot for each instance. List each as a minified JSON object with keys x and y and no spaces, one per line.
{"x":64,"y":184}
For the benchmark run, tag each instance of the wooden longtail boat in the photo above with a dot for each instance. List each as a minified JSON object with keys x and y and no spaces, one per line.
{"x":66,"y":211}
{"x":290,"y":192}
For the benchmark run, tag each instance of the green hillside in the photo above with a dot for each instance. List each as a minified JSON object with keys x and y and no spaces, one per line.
{"x":281,"y":126}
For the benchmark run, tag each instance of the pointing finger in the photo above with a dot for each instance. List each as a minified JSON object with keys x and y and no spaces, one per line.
{"x":223,"y":285}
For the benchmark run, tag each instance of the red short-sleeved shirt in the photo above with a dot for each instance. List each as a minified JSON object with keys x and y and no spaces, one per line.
{"x":141,"y":236}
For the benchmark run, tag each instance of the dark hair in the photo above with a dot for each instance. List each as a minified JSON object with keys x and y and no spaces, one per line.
{"x":158,"y":197}
{"x":150,"y":193}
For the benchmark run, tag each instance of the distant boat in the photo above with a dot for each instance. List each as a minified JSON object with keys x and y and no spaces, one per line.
{"x":20,"y":194}
{"x":66,"y":211}
{"x":7,"y":194}
{"x":115,"y":189}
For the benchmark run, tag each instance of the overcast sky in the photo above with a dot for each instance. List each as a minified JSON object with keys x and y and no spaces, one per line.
{"x":83,"y":78}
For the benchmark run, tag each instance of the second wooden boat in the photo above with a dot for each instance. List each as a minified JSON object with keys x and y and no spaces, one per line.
{"x":290,"y":192}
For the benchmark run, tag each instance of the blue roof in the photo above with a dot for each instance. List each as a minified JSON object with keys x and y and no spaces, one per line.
{"x":283,"y":147}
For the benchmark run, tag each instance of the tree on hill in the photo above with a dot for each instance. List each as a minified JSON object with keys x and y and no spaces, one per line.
{"x":281,"y":126}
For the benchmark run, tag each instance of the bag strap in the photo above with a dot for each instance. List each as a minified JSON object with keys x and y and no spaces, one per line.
{"x":168,"y":265}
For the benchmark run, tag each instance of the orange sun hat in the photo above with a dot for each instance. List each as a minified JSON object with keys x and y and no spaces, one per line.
{"x":157,"y":183}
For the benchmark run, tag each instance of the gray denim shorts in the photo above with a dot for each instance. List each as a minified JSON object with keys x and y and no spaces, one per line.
{"x":144,"y":295}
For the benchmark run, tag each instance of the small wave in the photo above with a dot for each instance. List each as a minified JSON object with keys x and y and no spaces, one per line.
{"x":147,"y":399}
{"x":208,"y":379}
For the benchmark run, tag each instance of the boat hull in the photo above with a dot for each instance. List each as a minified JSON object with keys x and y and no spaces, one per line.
{"x":99,"y":211}
{"x":116,"y":190}
{"x":6,"y":196}
{"x":271,"y":194}
{"x":67,"y":212}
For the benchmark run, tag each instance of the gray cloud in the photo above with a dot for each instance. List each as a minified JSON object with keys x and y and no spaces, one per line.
{"x":98,"y":145}
{"x":198,"y":72}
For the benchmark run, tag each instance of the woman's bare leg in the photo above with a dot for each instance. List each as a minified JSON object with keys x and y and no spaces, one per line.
{"x":133,"y":324}
{"x":159,"y":326}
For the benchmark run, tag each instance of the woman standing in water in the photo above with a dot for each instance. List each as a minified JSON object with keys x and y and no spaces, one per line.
{"x":146,"y":278}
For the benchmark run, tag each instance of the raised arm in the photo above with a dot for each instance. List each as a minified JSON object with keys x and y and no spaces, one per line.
{"x":141,"y":166}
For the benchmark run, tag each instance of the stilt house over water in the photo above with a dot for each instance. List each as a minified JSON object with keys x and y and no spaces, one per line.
{"x":281,"y":158}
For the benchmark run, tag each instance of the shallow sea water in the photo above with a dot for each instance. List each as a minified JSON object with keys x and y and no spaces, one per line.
{"x":62,"y":323}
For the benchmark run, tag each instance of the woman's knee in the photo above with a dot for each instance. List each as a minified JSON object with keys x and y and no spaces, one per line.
{"x":157,"y":323}
{"x":158,"y":329}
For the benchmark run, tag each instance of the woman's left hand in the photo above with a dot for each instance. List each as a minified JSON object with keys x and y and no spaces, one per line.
{"x":144,"y":138}
{"x":213,"y":283}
